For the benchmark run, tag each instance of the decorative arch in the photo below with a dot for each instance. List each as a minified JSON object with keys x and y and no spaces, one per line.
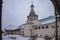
{"x":57,"y":15}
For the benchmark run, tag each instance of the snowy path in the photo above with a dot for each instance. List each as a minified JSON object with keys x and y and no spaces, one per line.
{"x":18,"y":37}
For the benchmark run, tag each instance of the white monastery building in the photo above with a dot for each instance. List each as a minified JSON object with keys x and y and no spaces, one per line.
{"x":36,"y":27}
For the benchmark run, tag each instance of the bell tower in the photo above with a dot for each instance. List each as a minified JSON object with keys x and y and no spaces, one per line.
{"x":32,"y":16}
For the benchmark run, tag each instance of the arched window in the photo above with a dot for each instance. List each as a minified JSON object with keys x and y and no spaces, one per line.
{"x":46,"y":26}
{"x":42,"y":27}
{"x":41,"y":35}
{"x":36,"y":35}
{"x":35,"y":27}
{"x":52,"y":26}
{"x":39,"y":27}
{"x":57,"y":25}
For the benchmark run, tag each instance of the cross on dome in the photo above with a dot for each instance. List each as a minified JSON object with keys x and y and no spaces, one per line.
{"x":32,"y":5}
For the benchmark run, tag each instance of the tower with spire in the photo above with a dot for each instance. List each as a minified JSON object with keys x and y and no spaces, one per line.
{"x":32,"y":16}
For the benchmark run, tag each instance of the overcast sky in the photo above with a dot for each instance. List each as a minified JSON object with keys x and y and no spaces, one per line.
{"x":15,"y":12}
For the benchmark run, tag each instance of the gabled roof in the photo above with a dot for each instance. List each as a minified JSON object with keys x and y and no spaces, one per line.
{"x":11,"y":27}
{"x":21,"y":26}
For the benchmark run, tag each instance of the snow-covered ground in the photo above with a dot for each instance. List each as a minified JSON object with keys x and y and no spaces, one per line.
{"x":17,"y":37}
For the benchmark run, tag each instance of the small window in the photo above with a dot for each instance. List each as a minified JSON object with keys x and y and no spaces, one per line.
{"x":46,"y":26}
{"x":42,"y":27}
{"x":52,"y":26}
{"x":57,"y":26}
{"x":41,"y":35}
{"x":35,"y":27}
{"x":39,"y":27}
{"x":36,"y":35}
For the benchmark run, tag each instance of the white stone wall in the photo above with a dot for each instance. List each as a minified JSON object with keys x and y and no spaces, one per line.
{"x":49,"y":31}
{"x":27,"y":30}
{"x":43,"y":32}
{"x":59,"y":28}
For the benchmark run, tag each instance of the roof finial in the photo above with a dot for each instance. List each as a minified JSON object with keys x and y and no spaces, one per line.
{"x":32,"y":4}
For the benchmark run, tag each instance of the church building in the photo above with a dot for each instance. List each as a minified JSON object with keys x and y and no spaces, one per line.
{"x":34,"y":27}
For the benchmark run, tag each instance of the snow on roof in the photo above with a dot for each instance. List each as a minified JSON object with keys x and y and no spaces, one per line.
{"x":21,"y":26}
{"x":47,"y":20}
{"x":3,"y":30}
{"x":42,"y":21}
{"x":11,"y":27}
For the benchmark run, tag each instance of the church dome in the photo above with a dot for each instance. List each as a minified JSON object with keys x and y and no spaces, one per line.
{"x":32,"y":5}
